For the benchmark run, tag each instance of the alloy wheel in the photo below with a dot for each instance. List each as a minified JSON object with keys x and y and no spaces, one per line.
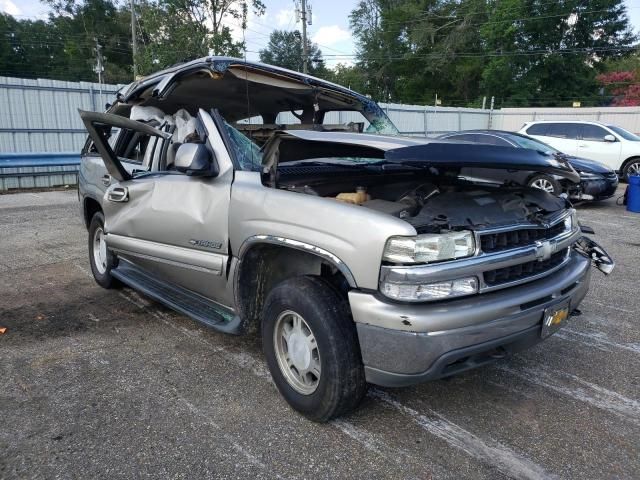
{"x":543,"y":184}
{"x":297,"y":352}
{"x":99,"y":251}
{"x":633,"y":169}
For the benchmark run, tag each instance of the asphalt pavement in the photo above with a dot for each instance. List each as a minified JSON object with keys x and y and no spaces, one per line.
{"x":109,"y":384}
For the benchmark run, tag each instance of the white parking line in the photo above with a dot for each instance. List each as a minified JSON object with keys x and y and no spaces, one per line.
{"x":374,"y":444}
{"x":606,"y":224}
{"x":259,"y":369}
{"x":252,"y":459}
{"x":488,"y":451}
{"x":491,"y":453}
{"x":242,"y":359}
{"x":581,"y":390}
{"x":597,"y":340}
{"x":612,"y":307}
{"x":84,"y":270}
{"x":587,"y":213}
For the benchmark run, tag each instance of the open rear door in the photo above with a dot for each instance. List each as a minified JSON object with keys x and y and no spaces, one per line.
{"x":99,"y":124}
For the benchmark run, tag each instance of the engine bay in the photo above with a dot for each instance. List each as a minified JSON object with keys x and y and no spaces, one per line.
{"x":433,"y":204}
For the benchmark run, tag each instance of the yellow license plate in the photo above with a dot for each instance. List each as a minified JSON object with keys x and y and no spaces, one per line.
{"x":554,"y":318}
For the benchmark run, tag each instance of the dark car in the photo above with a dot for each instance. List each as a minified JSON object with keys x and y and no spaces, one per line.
{"x":597,"y":182}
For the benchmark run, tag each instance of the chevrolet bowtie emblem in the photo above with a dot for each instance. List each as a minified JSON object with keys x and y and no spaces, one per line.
{"x":544,"y":250}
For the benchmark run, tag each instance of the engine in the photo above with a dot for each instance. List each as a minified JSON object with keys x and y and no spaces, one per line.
{"x":433,"y":208}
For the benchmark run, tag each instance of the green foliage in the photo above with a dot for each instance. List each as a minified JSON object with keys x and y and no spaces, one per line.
{"x":285,"y":50}
{"x":63,"y":46}
{"x":173,"y":31}
{"x":168,"y":32}
{"x":350,"y":76}
{"x":523,"y":52}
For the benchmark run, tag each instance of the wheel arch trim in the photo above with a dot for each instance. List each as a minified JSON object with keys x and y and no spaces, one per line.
{"x":298,"y":245}
{"x":629,"y":160}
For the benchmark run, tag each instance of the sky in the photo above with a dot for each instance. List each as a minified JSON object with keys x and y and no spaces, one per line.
{"x":329,"y":29}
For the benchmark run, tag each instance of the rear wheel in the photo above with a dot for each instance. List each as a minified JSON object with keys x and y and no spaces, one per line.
{"x":312,"y":349}
{"x":546,"y":183}
{"x":632,"y":167}
{"x":102,"y":260}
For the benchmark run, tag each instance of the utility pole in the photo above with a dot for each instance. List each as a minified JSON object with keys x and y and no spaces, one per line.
{"x":134,"y":40}
{"x":491,"y":113}
{"x":99,"y":68}
{"x":305,"y":17}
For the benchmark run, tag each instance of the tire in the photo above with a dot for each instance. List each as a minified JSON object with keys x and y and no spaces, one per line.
{"x":340,"y":385}
{"x":101,"y":270}
{"x":631,"y":167}
{"x":546,"y":183}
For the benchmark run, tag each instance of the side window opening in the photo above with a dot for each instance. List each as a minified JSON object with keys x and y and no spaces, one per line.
{"x":593,"y":133}
{"x":563,"y":130}
{"x":538,"y":129}
{"x":109,"y":132}
{"x":136,"y":148}
{"x":345,"y":121}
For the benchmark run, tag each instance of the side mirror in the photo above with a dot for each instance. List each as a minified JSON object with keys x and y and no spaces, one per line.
{"x":195,"y":159}
{"x":609,"y":138}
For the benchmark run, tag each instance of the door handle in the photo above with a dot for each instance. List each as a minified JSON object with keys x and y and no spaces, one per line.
{"x":106,"y":180}
{"x":584,"y":145}
{"x":118,"y":194}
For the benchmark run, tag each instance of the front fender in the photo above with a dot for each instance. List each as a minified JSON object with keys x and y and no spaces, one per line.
{"x":350,"y":236}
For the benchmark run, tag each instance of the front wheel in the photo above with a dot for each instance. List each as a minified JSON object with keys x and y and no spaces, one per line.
{"x":101,"y":259}
{"x":632,"y":167}
{"x":312,"y":349}
{"x":546,"y":183}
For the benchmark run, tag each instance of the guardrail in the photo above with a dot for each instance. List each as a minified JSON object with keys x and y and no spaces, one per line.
{"x":38,"y":170}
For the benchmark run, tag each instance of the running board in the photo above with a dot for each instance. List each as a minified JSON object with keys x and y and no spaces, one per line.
{"x":180,"y":299}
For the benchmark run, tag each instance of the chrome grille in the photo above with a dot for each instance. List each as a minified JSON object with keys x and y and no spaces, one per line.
{"x":497,"y":242}
{"x":516,"y":273}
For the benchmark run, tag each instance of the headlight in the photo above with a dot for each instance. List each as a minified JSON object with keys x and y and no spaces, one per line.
{"x":570,"y":222}
{"x":589,"y":176}
{"x":429,"y":247}
{"x":430,"y":291}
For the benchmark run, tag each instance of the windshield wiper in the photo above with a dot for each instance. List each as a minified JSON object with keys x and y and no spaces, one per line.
{"x":392,"y":165}
{"x":316,"y":163}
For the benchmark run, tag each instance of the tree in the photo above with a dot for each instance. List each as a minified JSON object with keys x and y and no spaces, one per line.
{"x":173,"y":31}
{"x":63,"y":46}
{"x":285,"y":50}
{"x":624,"y":87}
{"x":350,"y":76}
{"x":408,"y":50}
{"x":169,"y":31}
{"x":524,"y":52}
{"x":548,"y":53}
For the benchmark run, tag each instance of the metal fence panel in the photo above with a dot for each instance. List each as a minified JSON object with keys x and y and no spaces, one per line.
{"x":38,"y":170}
{"x":41,"y":115}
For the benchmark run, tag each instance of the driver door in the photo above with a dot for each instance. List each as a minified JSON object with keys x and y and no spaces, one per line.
{"x":170,"y":224}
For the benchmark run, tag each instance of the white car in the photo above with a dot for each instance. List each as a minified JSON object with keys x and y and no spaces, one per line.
{"x":609,"y":144}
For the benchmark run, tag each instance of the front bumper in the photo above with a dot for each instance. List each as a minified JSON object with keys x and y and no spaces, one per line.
{"x":404,"y":344}
{"x":600,"y":189}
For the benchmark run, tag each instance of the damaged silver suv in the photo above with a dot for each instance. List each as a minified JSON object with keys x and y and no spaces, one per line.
{"x":251,"y":199}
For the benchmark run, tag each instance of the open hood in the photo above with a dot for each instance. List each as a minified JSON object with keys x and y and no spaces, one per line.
{"x":458,"y":154}
{"x":292,"y":146}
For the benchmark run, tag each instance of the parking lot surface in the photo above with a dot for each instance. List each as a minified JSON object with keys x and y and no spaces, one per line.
{"x":109,"y":384}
